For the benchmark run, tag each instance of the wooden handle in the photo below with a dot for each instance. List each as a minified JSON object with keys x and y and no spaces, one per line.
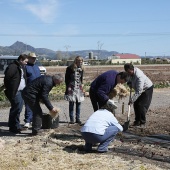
{"x":128,"y":116}
{"x":123,"y":108}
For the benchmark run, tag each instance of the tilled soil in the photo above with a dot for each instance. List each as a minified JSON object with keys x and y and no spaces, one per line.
{"x":138,"y":148}
{"x":157,"y":73}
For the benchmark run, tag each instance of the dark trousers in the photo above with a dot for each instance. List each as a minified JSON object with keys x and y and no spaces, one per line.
{"x":141,"y":105}
{"x":15,"y":110}
{"x":95,"y":100}
{"x":37,"y":114}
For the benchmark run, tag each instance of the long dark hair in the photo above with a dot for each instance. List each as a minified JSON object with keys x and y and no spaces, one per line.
{"x":74,"y":65}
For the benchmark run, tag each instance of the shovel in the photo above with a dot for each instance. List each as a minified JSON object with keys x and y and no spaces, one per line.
{"x":126,"y":124}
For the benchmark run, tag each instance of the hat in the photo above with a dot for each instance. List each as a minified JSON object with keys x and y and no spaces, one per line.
{"x":32,"y":55}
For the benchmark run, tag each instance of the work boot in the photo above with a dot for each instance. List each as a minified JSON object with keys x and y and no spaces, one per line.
{"x":143,"y":125}
{"x":39,"y":132}
{"x":15,"y":131}
{"x":136,"y":123}
{"x":78,"y":121}
{"x":71,"y":122}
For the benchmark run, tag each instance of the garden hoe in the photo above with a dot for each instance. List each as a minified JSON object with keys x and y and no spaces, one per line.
{"x":126,"y":124}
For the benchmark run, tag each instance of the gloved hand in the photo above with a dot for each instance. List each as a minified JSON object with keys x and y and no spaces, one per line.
{"x":111,"y":104}
{"x":126,"y":126}
{"x":54,"y":112}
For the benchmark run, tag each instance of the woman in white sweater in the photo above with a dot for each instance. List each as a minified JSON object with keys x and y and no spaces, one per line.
{"x":101,"y":127}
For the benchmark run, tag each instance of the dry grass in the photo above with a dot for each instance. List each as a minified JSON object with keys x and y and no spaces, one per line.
{"x":58,"y":149}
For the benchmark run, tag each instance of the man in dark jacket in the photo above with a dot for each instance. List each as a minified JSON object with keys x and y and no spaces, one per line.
{"x":15,"y":81}
{"x":103,"y":85}
{"x":36,"y":91}
{"x":32,"y":72}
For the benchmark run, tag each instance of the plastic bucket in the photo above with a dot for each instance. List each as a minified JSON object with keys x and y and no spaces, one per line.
{"x":49,"y":123}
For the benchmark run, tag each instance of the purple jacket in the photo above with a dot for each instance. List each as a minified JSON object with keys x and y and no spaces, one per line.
{"x":103,"y":84}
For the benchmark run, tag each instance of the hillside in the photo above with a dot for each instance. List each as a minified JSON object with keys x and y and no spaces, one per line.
{"x":19,"y":47}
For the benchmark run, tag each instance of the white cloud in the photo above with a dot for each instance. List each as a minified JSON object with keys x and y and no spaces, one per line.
{"x":45,"y":10}
{"x":19,"y":1}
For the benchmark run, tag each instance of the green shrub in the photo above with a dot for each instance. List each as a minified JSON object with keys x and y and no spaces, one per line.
{"x":2,"y":96}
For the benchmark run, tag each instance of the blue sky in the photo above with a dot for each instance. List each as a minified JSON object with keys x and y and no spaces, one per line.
{"x":140,"y":27}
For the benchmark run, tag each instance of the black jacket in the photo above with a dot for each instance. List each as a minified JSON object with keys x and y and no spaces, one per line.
{"x":38,"y":90}
{"x":12,"y":79}
{"x":69,"y":76}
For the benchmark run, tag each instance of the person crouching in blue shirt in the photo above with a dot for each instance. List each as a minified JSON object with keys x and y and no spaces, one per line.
{"x":101,"y":127}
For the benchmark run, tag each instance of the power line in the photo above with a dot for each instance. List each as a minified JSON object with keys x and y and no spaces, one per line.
{"x":86,"y":22}
{"x":89,"y":35}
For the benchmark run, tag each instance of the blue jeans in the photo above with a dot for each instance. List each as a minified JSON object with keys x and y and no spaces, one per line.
{"x":71,"y":110}
{"x":15,"y":110}
{"x":28,"y":114}
{"x":104,"y":140}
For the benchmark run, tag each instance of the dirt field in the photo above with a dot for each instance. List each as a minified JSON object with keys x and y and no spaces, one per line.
{"x":137,"y":149}
{"x":157,"y":73}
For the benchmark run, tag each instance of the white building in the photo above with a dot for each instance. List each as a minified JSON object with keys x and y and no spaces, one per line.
{"x":124,"y":58}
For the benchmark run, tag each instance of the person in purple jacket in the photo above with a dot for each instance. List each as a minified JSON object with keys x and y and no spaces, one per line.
{"x":102,"y":86}
{"x":32,"y":72}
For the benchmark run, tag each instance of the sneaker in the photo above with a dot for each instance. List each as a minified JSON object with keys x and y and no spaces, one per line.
{"x":27,"y":125}
{"x":106,"y":151}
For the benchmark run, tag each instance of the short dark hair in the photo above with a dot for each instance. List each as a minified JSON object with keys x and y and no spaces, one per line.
{"x":22,"y":57}
{"x":128,"y":66}
{"x":58,"y":77}
{"x":124,"y":75}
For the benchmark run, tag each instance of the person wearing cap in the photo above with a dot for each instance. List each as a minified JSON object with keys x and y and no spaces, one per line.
{"x":142,"y":97}
{"x":38,"y":91}
{"x":101,"y":127}
{"x":32,"y":72}
{"x":14,"y":82}
{"x":103,"y":85}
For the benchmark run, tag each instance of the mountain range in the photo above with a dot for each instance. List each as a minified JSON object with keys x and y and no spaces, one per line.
{"x":19,"y":47}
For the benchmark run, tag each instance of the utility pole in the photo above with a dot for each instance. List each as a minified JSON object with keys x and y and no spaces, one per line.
{"x":99,"y":48}
{"x":67,"y":47}
{"x":99,"y":51}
